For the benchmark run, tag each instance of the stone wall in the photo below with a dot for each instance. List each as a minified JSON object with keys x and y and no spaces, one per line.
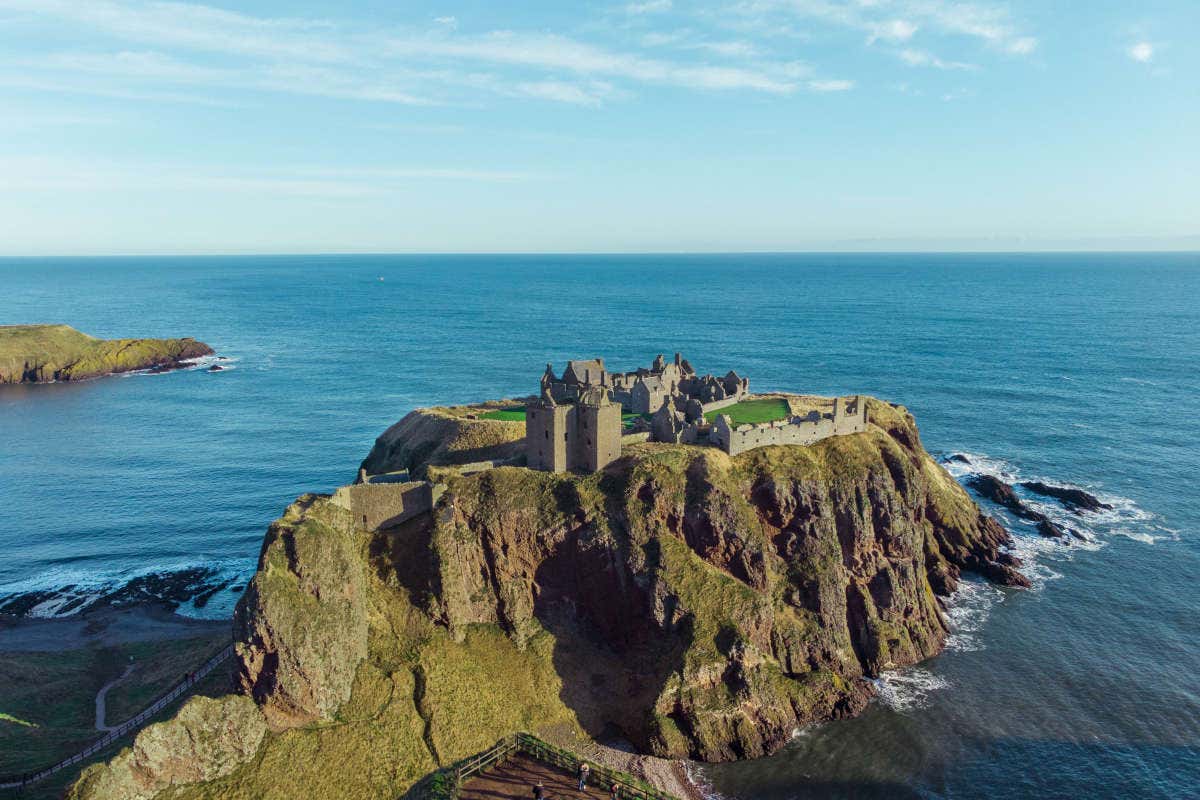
{"x":847,"y":417}
{"x":726,"y":403}
{"x":635,"y":438}
{"x":384,"y":505}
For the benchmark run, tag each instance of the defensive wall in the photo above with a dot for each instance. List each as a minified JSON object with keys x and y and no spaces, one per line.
{"x":848,"y":416}
{"x":384,"y":505}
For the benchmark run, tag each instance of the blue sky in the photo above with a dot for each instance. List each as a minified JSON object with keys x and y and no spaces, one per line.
{"x":654,"y":125}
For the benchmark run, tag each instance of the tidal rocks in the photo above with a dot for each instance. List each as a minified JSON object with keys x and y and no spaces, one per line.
{"x":1074,"y":499}
{"x":1002,"y":493}
{"x":45,"y":353}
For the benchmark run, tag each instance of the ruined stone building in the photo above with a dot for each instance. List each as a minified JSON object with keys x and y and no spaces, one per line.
{"x":577,"y":423}
{"x":643,"y":390}
{"x":583,"y":434}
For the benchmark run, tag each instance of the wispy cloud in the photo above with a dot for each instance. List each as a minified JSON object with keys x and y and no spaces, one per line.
{"x":649,"y":7}
{"x":831,"y":85}
{"x":175,"y":44}
{"x":1141,"y":51}
{"x":923,"y":58}
{"x":179,"y":49}
{"x":899,"y":20}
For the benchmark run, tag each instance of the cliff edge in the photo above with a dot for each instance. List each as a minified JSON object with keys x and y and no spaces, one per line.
{"x":692,"y":603}
{"x":45,"y":353}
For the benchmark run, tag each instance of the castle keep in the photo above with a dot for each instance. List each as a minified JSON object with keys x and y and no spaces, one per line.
{"x":577,"y":424}
{"x":583,"y":435}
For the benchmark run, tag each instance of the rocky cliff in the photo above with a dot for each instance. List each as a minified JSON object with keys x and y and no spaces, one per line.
{"x":44,"y":353}
{"x":691,"y":603}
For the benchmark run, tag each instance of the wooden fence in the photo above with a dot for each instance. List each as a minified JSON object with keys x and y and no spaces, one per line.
{"x":629,"y":787}
{"x":18,"y":781}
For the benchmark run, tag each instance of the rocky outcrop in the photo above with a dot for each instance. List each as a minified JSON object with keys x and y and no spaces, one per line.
{"x":444,"y":436}
{"x":693,"y":603}
{"x":1002,"y":494}
{"x":45,"y":353}
{"x":301,"y":626}
{"x":1074,"y":499}
{"x":205,"y":741}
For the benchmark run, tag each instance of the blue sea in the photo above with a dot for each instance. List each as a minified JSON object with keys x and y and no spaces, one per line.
{"x":1079,"y":369}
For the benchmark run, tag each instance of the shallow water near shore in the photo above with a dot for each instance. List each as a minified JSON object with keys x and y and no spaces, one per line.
{"x":1072,"y":369}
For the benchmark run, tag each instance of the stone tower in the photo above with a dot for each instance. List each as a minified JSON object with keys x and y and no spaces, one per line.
{"x":583,"y":436}
{"x":598,"y":431}
{"x":546,"y":434}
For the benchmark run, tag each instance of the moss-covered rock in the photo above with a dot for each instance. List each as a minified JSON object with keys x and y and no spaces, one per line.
{"x":697,"y":604}
{"x":206,"y":740}
{"x":44,"y":353}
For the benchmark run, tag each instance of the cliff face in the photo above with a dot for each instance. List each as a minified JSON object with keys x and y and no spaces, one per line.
{"x":44,"y":353}
{"x":696,"y":604}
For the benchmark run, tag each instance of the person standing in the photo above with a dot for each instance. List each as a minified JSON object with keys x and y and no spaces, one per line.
{"x":539,"y":791}
{"x":584,"y":771}
{"x":613,"y":793}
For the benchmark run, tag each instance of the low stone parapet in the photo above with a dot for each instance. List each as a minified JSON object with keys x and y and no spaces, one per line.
{"x":385,"y":505}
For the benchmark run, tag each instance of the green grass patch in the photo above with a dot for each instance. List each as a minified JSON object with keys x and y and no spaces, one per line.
{"x":514,"y":414}
{"x":15,"y":720}
{"x":765,"y":409}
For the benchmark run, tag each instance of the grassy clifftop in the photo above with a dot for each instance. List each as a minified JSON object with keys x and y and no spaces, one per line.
{"x":693,"y":603}
{"x":43,"y":353}
{"x":446,"y":435}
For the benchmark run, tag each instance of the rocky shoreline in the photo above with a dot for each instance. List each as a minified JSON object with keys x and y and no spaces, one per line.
{"x":59,"y":353}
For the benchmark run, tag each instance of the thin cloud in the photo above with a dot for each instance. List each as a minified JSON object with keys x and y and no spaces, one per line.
{"x":649,"y":7}
{"x":897,"y":21}
{"x":831,"y":85}
{"x":1142,"y":52}
{"x":923,"y":58}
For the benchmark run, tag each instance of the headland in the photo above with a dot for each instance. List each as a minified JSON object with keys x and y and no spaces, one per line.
{"x":49,"y":353}
{"x":613,"y":559}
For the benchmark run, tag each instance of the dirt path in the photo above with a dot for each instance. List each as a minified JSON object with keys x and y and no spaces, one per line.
{"x":102,"y":697}
{"x":516,"y":777}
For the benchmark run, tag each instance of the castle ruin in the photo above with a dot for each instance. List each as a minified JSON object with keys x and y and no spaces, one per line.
{"x":577,"y":423}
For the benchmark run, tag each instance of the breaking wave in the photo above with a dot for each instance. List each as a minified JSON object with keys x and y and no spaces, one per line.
{"x":908,"y":689}
{"x":968,"y":609}
{"x":203,"y":591}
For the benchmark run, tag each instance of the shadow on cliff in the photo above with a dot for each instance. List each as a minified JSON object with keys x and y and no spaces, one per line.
{"x":613,"y":652}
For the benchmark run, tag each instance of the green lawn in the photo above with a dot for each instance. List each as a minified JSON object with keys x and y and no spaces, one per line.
{"x":514,"y":414}
{"x":766,"y":409}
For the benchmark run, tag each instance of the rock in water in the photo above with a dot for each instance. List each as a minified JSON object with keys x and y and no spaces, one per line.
{"x":1074,"y":499}
{"x":45,"y":353}
{"x":700,"y":605}
{"x":1002,"y":493}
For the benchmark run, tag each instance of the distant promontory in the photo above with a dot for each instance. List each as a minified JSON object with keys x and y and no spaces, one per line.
{"x":48,"y":353}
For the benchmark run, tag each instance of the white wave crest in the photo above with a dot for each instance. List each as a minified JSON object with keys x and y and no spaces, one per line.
{"x":908,"y":689}
{"x":698,"y":780}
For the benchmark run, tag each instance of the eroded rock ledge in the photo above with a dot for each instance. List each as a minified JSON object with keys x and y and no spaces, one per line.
{"x":694,"y":604}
